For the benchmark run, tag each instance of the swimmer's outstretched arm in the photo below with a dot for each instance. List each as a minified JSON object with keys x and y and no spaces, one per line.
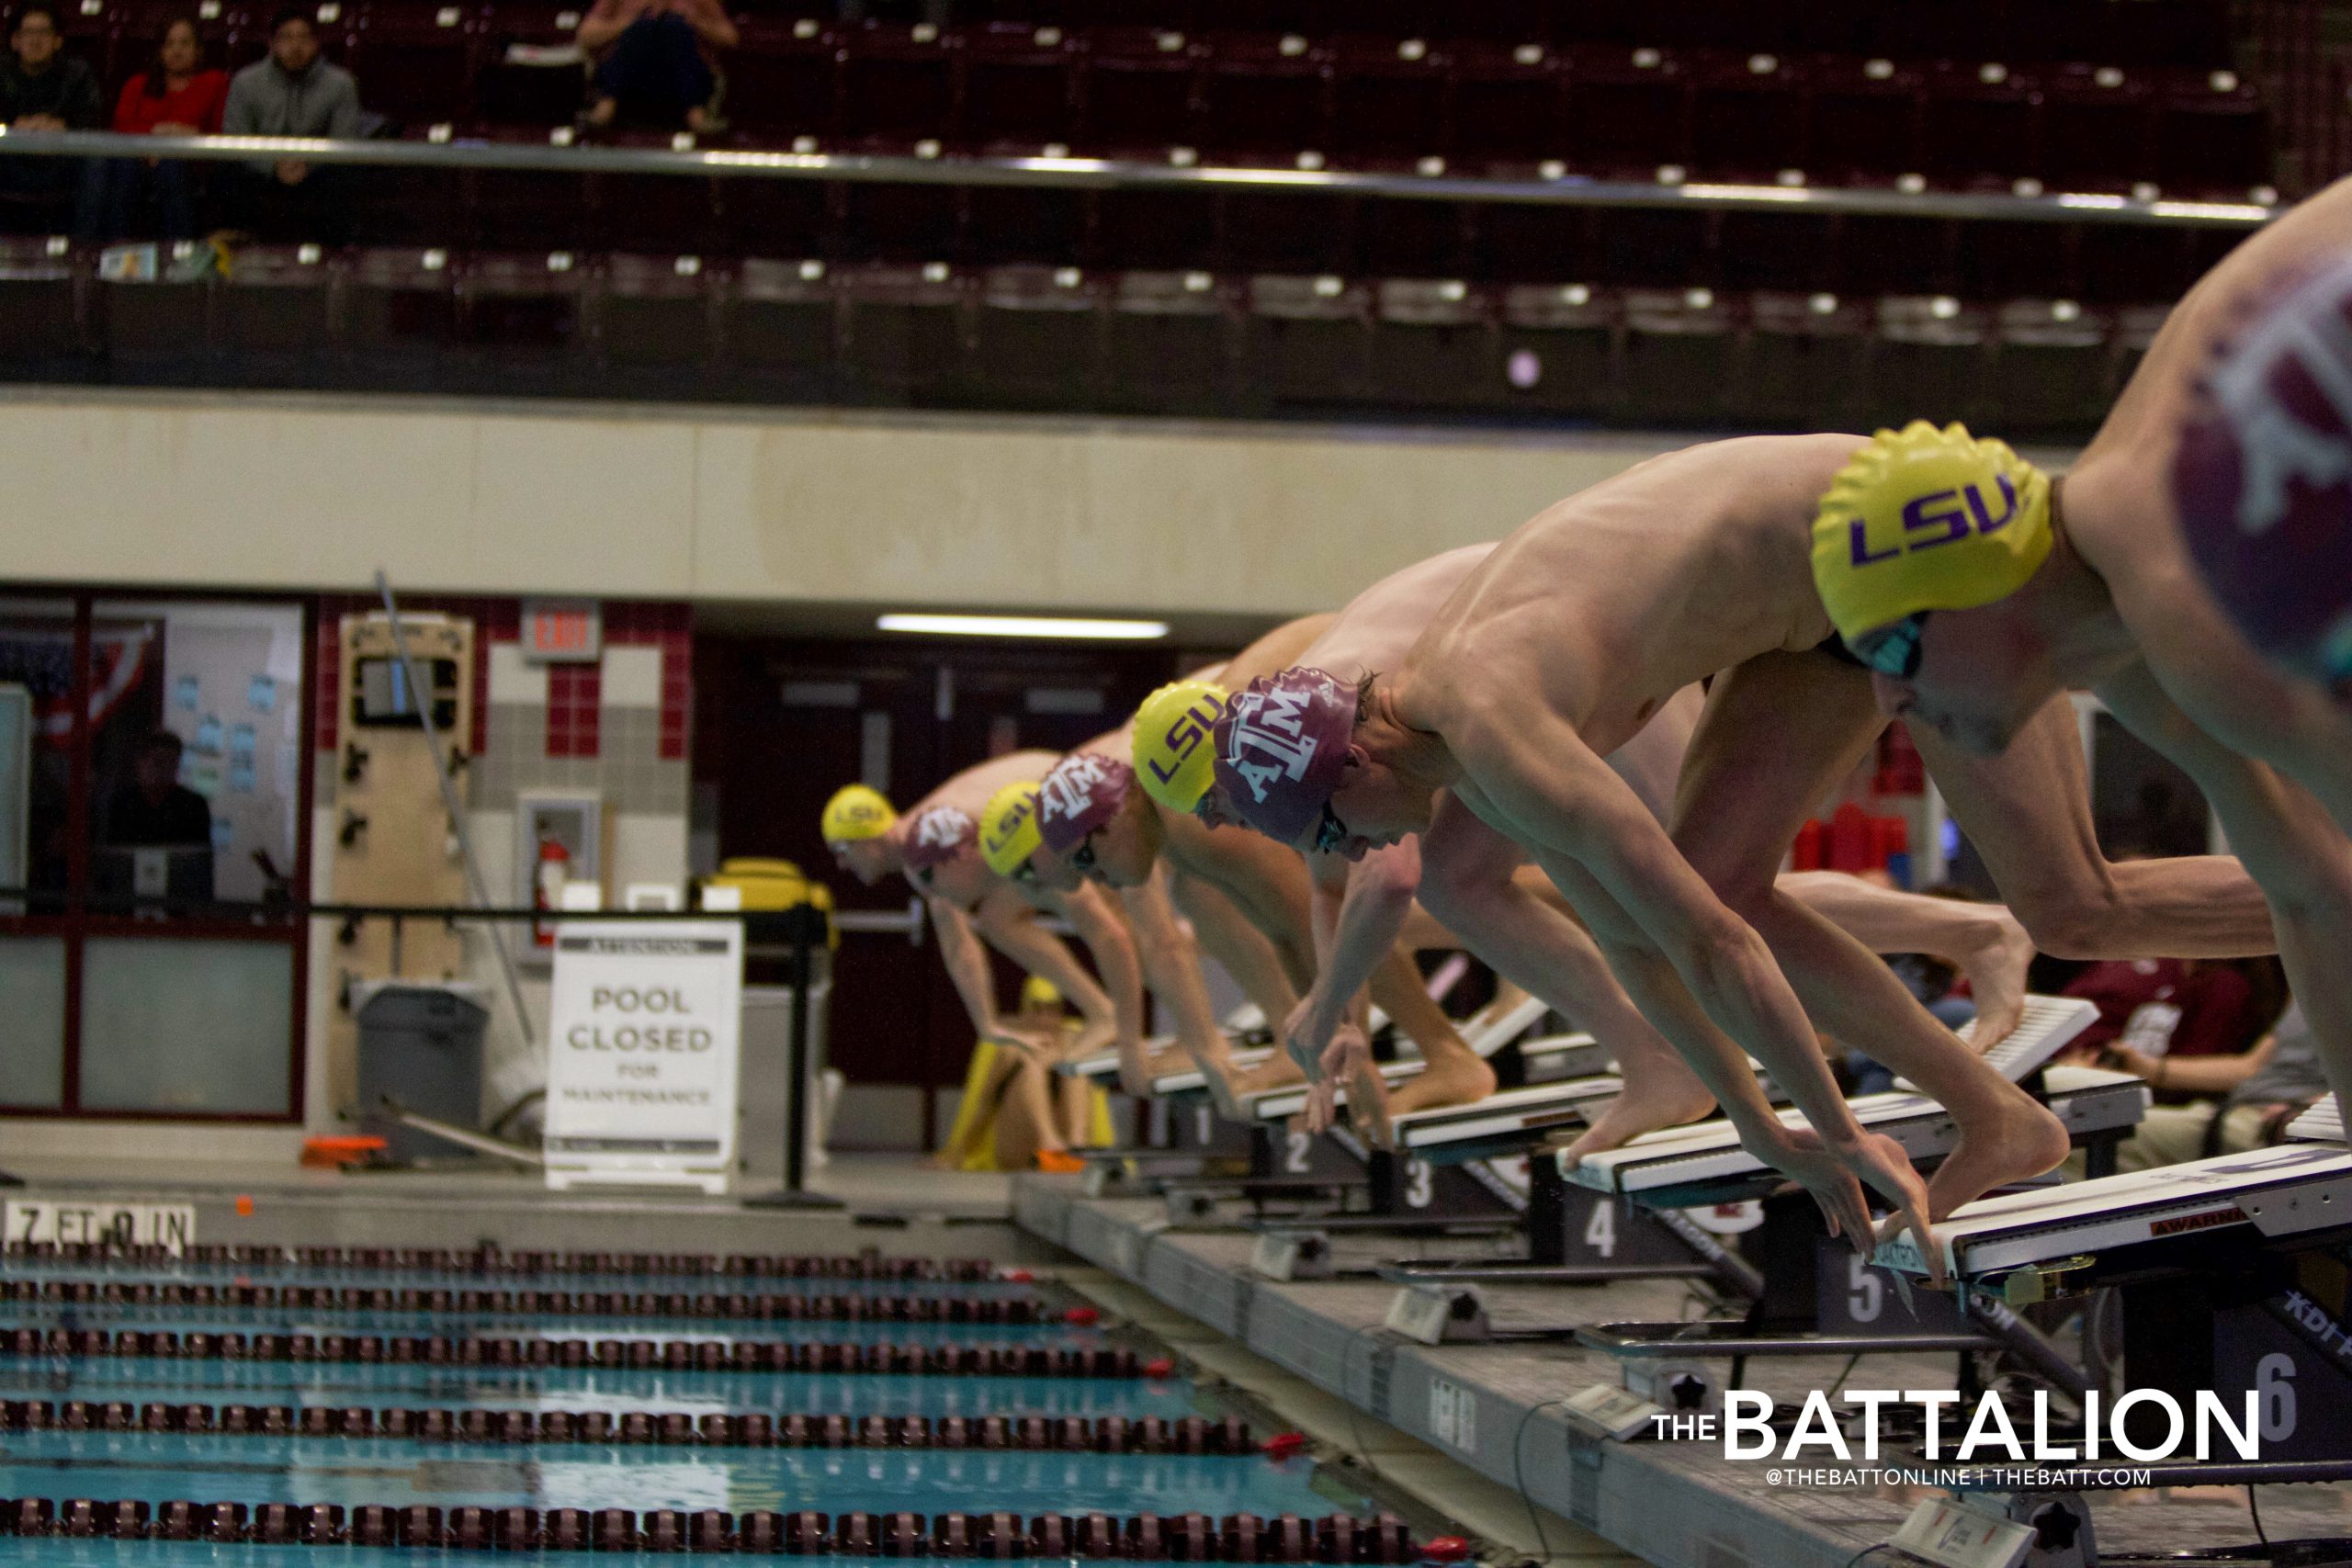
{"x":2289,"y":844}
{"x":1227,"y":933}
{"x":1533,"y":770}
{"x":1171,"y":962}
{"x":1363,"y":907}
{"x":968,"y":967}
{"x":1112,"y":1010}
{"x":1562,"y":798}
{"x":1010,"y":922}
{"x":1266,"y":882}
{"x":2027,"y":812}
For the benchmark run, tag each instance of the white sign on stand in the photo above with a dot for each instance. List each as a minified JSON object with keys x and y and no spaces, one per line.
{"x":643,"y":1033}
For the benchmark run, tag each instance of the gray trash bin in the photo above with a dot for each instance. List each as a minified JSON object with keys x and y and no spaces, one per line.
{"x":420,"y":1041}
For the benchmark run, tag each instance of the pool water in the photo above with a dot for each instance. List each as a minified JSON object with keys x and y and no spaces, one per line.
{"x":256,"y":1469}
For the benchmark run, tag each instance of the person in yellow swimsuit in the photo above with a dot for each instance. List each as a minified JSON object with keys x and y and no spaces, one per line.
{"x":1007,"y":1119}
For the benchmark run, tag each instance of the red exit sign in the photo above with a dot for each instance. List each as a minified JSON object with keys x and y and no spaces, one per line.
{"x":562,"y":631}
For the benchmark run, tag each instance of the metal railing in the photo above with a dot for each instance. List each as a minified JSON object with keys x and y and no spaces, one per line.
{"x":1670,"y":189}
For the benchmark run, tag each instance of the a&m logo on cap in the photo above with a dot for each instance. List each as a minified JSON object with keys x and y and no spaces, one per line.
{"x":939,"y":833}
{"x":1070,"y":789}
{"x":1084,"y":791}
{"x":2262,"y":475}
{"x":2286,"y":391}
{"x":1269,"y":741}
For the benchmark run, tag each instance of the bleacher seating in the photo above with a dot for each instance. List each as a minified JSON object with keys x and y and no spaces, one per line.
{"x":2078,"y":93}
{"x":1234,"y":298}
{"x":634,"y":323}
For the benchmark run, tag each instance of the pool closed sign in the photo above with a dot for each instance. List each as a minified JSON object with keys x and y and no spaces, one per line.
{"x":643,"y":1040}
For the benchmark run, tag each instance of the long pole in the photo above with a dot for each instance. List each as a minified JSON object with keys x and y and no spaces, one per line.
{"x":793,"y":1195}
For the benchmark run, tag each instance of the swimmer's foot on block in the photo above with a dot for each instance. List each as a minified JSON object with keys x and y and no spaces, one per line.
{"x":1454,"y":1078}
{"x":1997,"y":979}
{"x":1655,"y":1098}
{"x":1227,"y":1084}
{"x":2015,"y":1140}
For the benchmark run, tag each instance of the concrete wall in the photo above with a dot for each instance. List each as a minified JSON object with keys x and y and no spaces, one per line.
{"x":747,"y":506}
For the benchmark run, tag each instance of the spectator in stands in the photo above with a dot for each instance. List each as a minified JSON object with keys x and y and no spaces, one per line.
{"x":2262,"y":1091}
{"x":657,"y":63}
{"x":43,"y":88}
{"x":176,"y":96}
{"x":293,"y":93}
{"x":2157,"y":1012}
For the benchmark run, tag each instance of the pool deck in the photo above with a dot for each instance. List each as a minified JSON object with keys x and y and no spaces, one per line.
{"x":1495,"y":1408}
{"x":889,"y":1202}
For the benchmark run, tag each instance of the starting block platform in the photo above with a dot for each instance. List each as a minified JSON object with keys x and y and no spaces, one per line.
{"x":1696,"y":1164}
{"x":2284,"y":1190}
{"x":1551,"y":1059}
{"x":1499,"y":1407}
{"x":1657,"y":1167}
{"x":1103,"y":1067}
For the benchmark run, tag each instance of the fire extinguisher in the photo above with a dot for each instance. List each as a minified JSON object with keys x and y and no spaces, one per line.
{"x":546,"y":883}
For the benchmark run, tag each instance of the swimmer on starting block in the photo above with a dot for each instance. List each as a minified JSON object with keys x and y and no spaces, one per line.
{"x":1478,"y":883}
{"x":2225,"y":462}
{"x":935,"y":847}
{"x":1009,"y":836}
{"x":1569,"y":637}
{"x":1126,"y":820}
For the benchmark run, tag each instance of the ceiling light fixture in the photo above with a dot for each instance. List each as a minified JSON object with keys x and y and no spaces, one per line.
{"x":1025,"y":625}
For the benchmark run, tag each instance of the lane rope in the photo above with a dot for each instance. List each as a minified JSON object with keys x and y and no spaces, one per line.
{"x":500,"y":1351}
{"x":734,"y":1306}
{"x":1189,"y":1435}
{"x":1197,"y":1538}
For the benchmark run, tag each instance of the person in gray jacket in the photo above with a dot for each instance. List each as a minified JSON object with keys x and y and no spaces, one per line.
{"x":293,"y":92}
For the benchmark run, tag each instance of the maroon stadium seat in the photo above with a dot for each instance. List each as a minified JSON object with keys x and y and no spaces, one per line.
{"x":897,"y":87}
{"x":1264,"y":99}
{"x":1136,"y":91}
{"x":1020,"y":90}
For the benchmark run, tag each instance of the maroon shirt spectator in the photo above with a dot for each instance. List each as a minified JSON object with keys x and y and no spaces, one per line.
{"x":2165,"y":1006}
{"x":175,"y":96}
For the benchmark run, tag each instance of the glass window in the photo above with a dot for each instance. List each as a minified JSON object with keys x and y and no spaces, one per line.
{"x":151,"y":771}
{"x":35,"y":765}
{"x":179,"y":1025}
{"x":32,"y":1064}
{"x":194,"y":759}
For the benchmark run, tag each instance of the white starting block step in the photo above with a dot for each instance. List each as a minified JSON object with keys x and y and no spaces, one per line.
{"x":2088,"y":1099}
{"x":1281,"y":1104}
{"x":2049,"y":1026}
{"x":1103,"y":1067}
{"x":2323,"y":1123}
{"x":1488,"y":1035}
{"x":1515,"y":1118}
{"x":2282,"y":1191}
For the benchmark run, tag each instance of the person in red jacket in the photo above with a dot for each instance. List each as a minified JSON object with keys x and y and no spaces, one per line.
{"x":176,"y":96}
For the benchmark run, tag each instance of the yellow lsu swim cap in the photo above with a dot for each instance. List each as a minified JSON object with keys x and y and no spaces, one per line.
{"x":1037,"y":993}
{"x":1927,"y":520}
{"x":855,"y":812}
{"x":1009,"y":827}
{"x":1173,"y":755}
